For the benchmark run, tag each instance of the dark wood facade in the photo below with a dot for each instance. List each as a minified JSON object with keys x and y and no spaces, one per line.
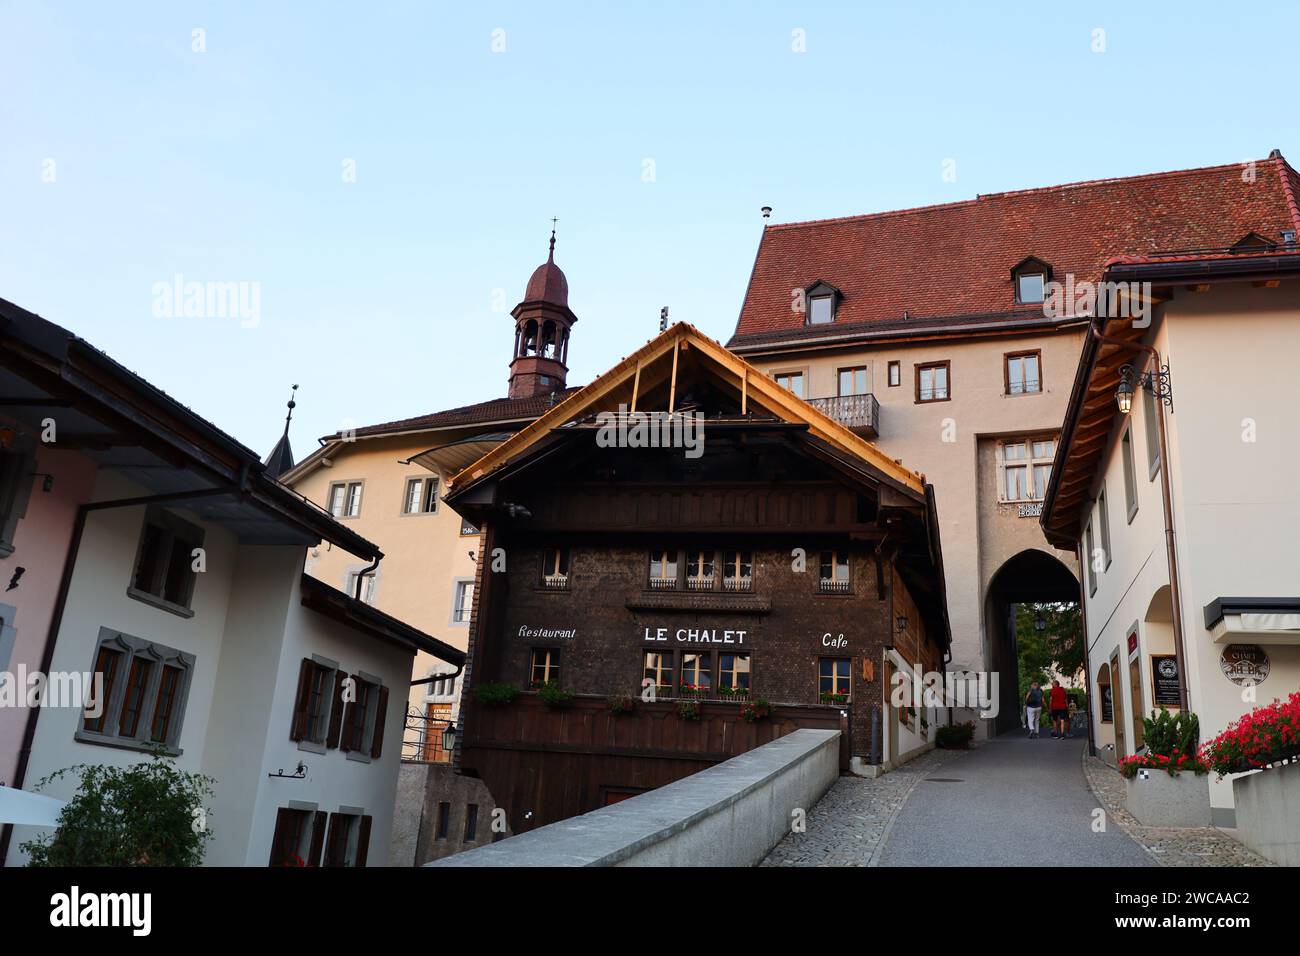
{"x":572,"y":568}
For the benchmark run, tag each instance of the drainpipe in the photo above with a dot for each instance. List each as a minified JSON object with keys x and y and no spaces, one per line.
{"x":1171,"y":547}
{"x":60,"y":604}
{"x":1083,"y":639}
{"x":361,"y":575}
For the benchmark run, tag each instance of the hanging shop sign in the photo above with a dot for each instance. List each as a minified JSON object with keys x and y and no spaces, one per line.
{"x":1107,"y":705}
{"x":1244,"y":664}
{"x":1164,"y":678}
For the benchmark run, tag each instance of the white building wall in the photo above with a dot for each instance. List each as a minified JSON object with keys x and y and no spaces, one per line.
{"x":249,"y":634}
{"x":1236,"y":503}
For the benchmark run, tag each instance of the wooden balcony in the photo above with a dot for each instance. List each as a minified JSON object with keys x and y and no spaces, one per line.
{"x":858,"y":413}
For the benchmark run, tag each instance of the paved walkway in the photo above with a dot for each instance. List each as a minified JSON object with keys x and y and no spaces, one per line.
{"x":1010,"y":801}
{"x":1013,"y":801}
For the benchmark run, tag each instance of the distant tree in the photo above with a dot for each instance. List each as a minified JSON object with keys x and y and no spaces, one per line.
{"x":1057,"y":646}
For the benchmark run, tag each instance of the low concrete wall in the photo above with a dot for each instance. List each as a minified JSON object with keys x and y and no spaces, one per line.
{"x":1268,"y":813}
{"x":731,"y":814}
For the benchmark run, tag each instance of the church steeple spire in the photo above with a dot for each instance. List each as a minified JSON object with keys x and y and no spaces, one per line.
{"x":543,"y":321}
{"x":280,"y":459}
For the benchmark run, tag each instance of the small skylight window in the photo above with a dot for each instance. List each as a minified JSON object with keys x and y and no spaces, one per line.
{"x":821,"y":310}
{"x":1029,"y":287}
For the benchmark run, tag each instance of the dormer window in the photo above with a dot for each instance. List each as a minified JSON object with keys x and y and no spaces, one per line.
{"x":1030,"y":277}
{"x":823,"y":300}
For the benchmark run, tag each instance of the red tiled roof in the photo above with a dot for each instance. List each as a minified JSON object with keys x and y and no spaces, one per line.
{"x":941,"y":262}
{"x":495,"y":410}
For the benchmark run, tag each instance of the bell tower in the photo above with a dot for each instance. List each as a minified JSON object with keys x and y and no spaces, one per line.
{"x":542,"y":325}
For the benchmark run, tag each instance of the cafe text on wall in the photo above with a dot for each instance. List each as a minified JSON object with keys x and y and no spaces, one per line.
{"x":680,"y":562}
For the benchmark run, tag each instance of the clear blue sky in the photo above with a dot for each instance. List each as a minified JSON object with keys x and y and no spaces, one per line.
{"x":377,"y":296}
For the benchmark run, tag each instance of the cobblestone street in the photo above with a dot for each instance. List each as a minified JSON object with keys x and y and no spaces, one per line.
{"x":847,"y":825}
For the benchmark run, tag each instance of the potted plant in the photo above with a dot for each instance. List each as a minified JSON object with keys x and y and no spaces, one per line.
{"x":955,"y":736}
{"x":491,"y":694}
{"x":1267,"y":802}
{"x":688,"y":710}
{"x":1167,"y":786}
{"x":753,"y":711}
{"x":552,"y":695}
{"x":829,"y":698}
{"x":621,"y":703}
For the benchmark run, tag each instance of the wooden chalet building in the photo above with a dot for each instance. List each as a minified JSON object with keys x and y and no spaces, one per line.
{"x":785,"y":559}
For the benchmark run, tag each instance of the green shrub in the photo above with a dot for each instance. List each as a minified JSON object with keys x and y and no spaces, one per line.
{"x":147,"y":814}
{"x":495,"y":695}
{"x":955,"y":736}
{"x":688,"y":710}
{"x":1171,"y":735}
{"x":553,"y":696}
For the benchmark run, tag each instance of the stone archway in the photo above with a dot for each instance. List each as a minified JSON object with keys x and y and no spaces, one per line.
{"x":1030,"y":577}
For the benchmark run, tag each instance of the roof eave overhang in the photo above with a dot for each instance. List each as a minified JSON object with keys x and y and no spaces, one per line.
{"x":320,"y":597}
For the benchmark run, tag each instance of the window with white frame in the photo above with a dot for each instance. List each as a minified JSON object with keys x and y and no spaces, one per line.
{"x":421,"y":496}
{"x":462,"y":602}
{"x":367,"y":586}
{"x":345,"y":499}
{"x":1025,"y":465}
{"x":144,"y":691}
{"x":1103,"y":526}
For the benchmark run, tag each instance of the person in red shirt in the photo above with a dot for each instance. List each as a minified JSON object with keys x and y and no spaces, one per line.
{"x":1060,"y":704}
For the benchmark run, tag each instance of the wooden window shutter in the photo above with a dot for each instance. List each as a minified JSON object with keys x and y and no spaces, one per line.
{"x":284,"y":829}
{"x":377,"y":744}
{"x":317,"y":839}
{"x":302,"y":705}
{"x":348,"y":742}
{"x":336,"y":711}
{"x":363,"y":841}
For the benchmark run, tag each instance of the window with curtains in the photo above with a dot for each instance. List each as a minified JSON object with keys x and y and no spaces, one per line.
{"x":421,"y":497}
{"x":663,"y":569}
{"x":139,"y":695}
{"x":699,"y":570}
{"x":738,"y":571}
{"x":833,"y":573}
{"x":555,"y":568}
{"x":1026,"y":467}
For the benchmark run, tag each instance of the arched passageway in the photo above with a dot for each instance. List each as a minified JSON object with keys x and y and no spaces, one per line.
{"x":1029,"y":578}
